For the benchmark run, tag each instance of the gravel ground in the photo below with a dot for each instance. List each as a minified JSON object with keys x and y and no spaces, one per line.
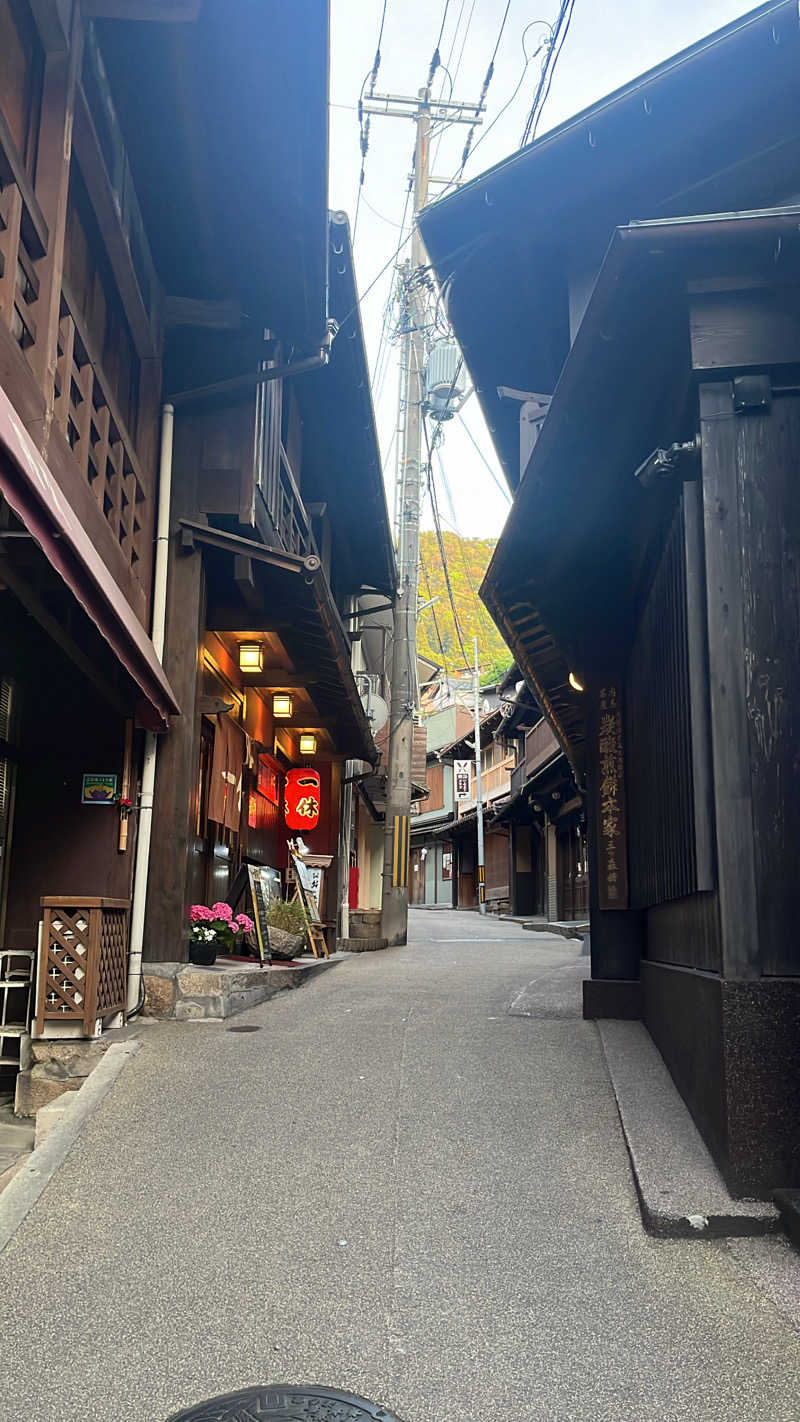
{"x":399,"y":1186}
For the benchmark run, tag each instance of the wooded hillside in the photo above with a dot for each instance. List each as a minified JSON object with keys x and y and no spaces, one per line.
{"x":467,"y":560}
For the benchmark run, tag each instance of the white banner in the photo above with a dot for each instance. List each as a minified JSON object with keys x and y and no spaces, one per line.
{"x":462,"y":779}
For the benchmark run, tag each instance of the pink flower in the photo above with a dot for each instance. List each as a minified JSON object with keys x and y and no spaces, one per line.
{"x":245,"y":924}
{"x":198,"y":913}
{"x":223,"y":911}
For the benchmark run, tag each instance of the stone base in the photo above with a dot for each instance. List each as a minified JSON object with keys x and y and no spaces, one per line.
{"x":365,"y":923}
{"x":189,"y":993}
{"x":612,"y":997}
{"x":733,"y":1050}
{"x":53,"y":1067}
{"x":361,"y":945}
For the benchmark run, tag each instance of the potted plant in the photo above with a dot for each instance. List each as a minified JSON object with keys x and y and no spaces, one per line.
{"x":214,"y":930}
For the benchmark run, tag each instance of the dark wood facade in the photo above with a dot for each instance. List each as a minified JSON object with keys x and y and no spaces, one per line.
{"x":653,"y":549}
{"x":154,"y":239}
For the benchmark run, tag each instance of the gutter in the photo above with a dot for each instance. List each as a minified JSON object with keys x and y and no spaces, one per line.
{"x":245,"y":384}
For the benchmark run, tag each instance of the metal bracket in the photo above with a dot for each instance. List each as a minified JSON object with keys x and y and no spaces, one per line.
{"x":752,"y":393}
{"x":666,"y":463}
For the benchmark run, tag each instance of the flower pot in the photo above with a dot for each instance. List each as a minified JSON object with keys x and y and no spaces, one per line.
{"x":204,"y":954}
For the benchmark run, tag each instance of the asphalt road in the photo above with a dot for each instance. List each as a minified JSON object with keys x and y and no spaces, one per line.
{"x":410,"y":1183}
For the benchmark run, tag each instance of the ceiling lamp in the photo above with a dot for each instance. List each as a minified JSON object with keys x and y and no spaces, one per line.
{"x":308,"y":743}
{"x":281,"y":705}
{"x":575,"y":684}
{"x":251,"y":656}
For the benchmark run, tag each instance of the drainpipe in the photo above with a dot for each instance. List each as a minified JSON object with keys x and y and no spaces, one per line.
{"x":158,"y":628}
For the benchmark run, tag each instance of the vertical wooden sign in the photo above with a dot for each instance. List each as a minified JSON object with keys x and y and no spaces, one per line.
{"x":612,"y":838}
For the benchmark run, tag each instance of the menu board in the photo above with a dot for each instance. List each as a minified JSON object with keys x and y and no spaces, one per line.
{"x":265,"y":885}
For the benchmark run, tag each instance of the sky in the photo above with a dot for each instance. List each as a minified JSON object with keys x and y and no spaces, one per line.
{"x":607,"y":45}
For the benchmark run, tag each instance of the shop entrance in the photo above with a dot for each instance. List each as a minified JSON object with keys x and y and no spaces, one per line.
{"x":573,"y":874}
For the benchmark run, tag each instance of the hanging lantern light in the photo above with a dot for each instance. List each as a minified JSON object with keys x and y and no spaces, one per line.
{"x":281,"y":705}
{"x":251,"y":656}
{"x":308,"y":743}
{"x":302,"y":798}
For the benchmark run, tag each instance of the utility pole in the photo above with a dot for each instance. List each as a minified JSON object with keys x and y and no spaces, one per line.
{"x":397,"y":843}
{"x":478,"y":787}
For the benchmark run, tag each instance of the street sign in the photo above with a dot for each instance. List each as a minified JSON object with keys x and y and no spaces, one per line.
{"x":462,"y":775}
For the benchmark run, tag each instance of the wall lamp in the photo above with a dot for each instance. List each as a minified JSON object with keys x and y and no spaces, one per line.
{"x":251,"y":656}
{"x":308,"y":743}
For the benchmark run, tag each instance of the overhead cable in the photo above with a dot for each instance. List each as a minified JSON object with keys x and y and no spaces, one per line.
{"x":554,"y":48}
{"x":363,"y":127}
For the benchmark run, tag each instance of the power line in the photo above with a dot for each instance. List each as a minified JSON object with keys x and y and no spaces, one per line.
{"x":479,"y":451}
{"x":507,"y":105}
{"x":432,"y":609}
{"x":363,"y":128}
{"x":485,"y":89}
{"x":558,"y":36}
{"x":440,"y":540}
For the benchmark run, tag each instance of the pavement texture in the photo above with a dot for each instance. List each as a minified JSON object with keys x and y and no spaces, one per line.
{"x":399,"y":1187}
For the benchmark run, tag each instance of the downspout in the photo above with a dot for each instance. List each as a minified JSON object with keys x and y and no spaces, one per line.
{"x":158,"y":628}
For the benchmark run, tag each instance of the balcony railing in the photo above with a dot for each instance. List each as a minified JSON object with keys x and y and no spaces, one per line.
{"x":23,"y":242}
{"x":540,"y":745}
{"x":87,"y":414}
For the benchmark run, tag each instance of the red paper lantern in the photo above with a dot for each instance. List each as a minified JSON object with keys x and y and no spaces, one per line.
{"x":302,"y":799}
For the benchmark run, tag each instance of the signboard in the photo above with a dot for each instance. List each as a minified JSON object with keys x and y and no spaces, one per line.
{"x":308,"y":903}
{"x":269,"y":781}
{"x":612,"y":844}
{"x":99,"y":789}
{"x":462,"y":779}
{"x":265,"y":885}
{"x":311,"y":878}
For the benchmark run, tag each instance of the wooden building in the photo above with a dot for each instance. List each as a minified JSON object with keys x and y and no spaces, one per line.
{"x":627,"y":295}
{"x":164,"y":227}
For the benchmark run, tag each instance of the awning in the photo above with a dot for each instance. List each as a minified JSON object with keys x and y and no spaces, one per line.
{"x":296,"y":588}
{"x":34,"y":496}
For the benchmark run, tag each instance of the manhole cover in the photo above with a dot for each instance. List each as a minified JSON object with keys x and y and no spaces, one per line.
{"x":245,"y":1027}
{"x":286,"y":1404}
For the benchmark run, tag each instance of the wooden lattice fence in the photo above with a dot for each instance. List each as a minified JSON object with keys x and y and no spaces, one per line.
{"x":82,"y":960}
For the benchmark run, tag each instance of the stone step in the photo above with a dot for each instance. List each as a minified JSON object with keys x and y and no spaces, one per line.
{"x":361,"y":945}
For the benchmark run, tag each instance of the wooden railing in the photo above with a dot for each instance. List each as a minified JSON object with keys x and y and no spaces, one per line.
{"x":494,"y":782}
{"x":87,"y":414}
{"x":540,"y":744}
{"x":275,"y":477}
{"x":23,"y":243}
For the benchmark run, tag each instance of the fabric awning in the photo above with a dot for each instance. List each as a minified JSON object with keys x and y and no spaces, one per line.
{"x":34,"y":496}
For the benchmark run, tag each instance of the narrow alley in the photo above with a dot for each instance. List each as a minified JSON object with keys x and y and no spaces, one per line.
{"x":410,"y":1182}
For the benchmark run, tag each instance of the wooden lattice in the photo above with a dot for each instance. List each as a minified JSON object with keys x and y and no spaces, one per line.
{"x":83,"y":960}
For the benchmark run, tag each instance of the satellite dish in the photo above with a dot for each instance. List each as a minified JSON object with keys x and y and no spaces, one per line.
{"x":374,"y":705}
{"x":377,"y":713}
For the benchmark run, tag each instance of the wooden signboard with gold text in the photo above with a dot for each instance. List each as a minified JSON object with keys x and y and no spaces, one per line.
{"x":612,"y":840}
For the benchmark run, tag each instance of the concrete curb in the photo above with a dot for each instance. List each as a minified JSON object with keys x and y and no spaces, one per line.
{"x":20,"y":1196}
{"x":681,"y":1193}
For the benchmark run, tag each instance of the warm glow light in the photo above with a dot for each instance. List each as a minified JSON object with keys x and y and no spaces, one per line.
{"x":281,"y":705}
{"x":574,"y":683}
{"x":308,"y":744}
{"x":251,"y":657}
